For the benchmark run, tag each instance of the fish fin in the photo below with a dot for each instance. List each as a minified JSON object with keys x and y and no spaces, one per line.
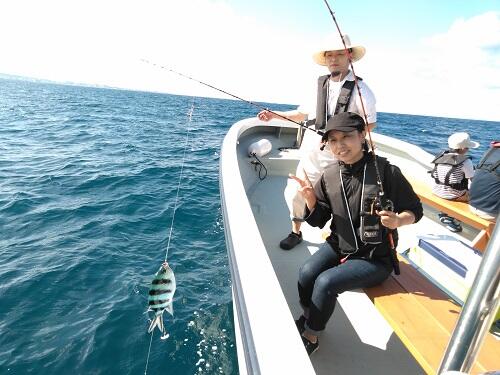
{"x":157,"y":322}
{"x":164,"y":331}
{"x":170,"y":309}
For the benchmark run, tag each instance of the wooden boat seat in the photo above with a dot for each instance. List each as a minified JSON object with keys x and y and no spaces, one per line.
{"x":423,"y":317}
{"x":458,"y":210}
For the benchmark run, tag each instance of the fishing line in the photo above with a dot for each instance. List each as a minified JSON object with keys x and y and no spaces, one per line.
{"x":149,"y":352}
{"x":190,"y":116}
{"x":379,"y":180}
{"x":392,"y":252}
{"x":301,"y":124}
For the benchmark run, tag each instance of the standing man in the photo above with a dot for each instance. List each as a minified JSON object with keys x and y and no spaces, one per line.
{"x":336,"y":93}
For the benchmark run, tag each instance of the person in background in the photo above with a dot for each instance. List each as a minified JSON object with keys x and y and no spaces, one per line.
{"x":350,"y":258}
{"x":484,"y":190}
{"x":452,"y":172}
{"x":336,"y":93}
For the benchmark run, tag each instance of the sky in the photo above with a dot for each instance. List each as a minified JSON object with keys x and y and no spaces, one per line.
{"x":426,"y":57}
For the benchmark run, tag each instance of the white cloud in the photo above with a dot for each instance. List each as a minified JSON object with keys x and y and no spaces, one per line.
{"x":453,"y":74}
{"x":102,"y":42}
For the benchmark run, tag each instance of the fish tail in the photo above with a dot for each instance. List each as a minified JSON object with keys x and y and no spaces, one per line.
{"x":157,"y":322}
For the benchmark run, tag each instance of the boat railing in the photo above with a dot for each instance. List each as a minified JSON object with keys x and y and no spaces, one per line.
{"x":478,"y":312}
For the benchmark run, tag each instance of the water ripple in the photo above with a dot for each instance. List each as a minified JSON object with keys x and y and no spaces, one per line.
{"x":87,"y":196}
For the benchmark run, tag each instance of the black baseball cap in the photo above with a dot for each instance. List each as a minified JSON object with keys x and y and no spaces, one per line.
{"x":344,"y":122}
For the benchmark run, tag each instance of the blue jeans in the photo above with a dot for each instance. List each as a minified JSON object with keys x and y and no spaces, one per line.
{"x":322,"y":278}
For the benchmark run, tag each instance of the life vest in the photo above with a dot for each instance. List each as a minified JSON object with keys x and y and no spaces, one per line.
{"x":490,"y":161}
{"x":348,"y":236}
{"x":322,"y":100}
{"x":454,"y":160}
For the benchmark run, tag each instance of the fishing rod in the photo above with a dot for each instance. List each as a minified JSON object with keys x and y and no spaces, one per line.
{"x":301,"y":124}
{"x":349,"y":54}
{"x":384,"y":203}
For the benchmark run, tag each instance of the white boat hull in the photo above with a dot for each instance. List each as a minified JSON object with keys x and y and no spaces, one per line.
{"x":357,"y":339}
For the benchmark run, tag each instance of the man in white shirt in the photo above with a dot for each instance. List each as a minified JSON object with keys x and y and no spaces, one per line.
{"x":336,"y":93}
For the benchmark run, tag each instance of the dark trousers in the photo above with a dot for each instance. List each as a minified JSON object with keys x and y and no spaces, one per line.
{"x":322,"y":278}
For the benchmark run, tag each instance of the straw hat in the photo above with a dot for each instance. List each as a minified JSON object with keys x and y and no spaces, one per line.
{"x":458,"y":141}
{"x":335,"y":44}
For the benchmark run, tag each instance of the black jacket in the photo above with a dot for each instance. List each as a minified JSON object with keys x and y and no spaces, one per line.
{"x":396,"y":188}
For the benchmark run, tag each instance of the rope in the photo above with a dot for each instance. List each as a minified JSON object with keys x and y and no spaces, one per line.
{"x":260,"y":165}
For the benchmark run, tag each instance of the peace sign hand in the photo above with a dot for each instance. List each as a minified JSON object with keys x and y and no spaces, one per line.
{"x":306,"y":189}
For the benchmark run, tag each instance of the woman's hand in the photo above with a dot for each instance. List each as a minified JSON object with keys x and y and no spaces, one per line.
{"x":393,"y":220}
{"x":306,"y":189}
{"x":389,"y":219}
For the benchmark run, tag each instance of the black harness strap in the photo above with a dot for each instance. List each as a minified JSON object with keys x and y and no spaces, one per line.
{"x":344,"y":96}
{"x":322,"y":100}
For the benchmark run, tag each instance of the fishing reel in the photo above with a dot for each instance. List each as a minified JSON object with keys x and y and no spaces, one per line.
{"x":371,"y":229}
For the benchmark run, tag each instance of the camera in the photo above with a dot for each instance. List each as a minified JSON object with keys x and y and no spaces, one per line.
{"x":371,"y":229}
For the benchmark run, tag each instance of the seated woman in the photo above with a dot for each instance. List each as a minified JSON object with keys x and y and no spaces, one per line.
{"x":358,"y":252}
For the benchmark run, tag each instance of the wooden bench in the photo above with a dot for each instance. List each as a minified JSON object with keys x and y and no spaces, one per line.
{"x":458,"y":210}
{"x":423,"y":317}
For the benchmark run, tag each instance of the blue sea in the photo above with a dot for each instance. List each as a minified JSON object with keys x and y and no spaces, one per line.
{"x":88,"y":185}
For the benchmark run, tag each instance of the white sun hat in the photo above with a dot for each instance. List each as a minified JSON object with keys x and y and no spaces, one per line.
{"x":458,"y":141}
{"x":335,"y":44}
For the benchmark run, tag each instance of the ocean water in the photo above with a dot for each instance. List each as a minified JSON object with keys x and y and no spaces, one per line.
{"x":88,"y":183}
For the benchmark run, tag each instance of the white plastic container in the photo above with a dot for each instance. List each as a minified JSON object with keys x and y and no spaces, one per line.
{"x":260,"y":148}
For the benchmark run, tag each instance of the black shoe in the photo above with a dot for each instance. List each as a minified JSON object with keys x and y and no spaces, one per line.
{"x":300,"y":323}
{"x":291,"y":241}
{"x":310,"y":347}
{"x":450,"y":223}
{"x":444,"y":218}
{"x":454,"y":226}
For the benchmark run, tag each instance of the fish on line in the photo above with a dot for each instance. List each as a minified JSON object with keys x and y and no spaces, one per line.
{"x":160,"y":297}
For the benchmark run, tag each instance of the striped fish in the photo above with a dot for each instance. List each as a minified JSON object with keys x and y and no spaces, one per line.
{"x":160,"y":297}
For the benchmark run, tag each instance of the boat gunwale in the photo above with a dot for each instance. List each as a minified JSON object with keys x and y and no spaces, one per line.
{"x":259,"y":349}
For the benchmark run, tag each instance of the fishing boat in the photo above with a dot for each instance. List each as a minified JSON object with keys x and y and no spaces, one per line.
{"x":409,"y":323}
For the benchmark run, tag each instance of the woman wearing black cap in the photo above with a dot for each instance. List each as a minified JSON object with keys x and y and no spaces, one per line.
{"x":357,"y":254}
